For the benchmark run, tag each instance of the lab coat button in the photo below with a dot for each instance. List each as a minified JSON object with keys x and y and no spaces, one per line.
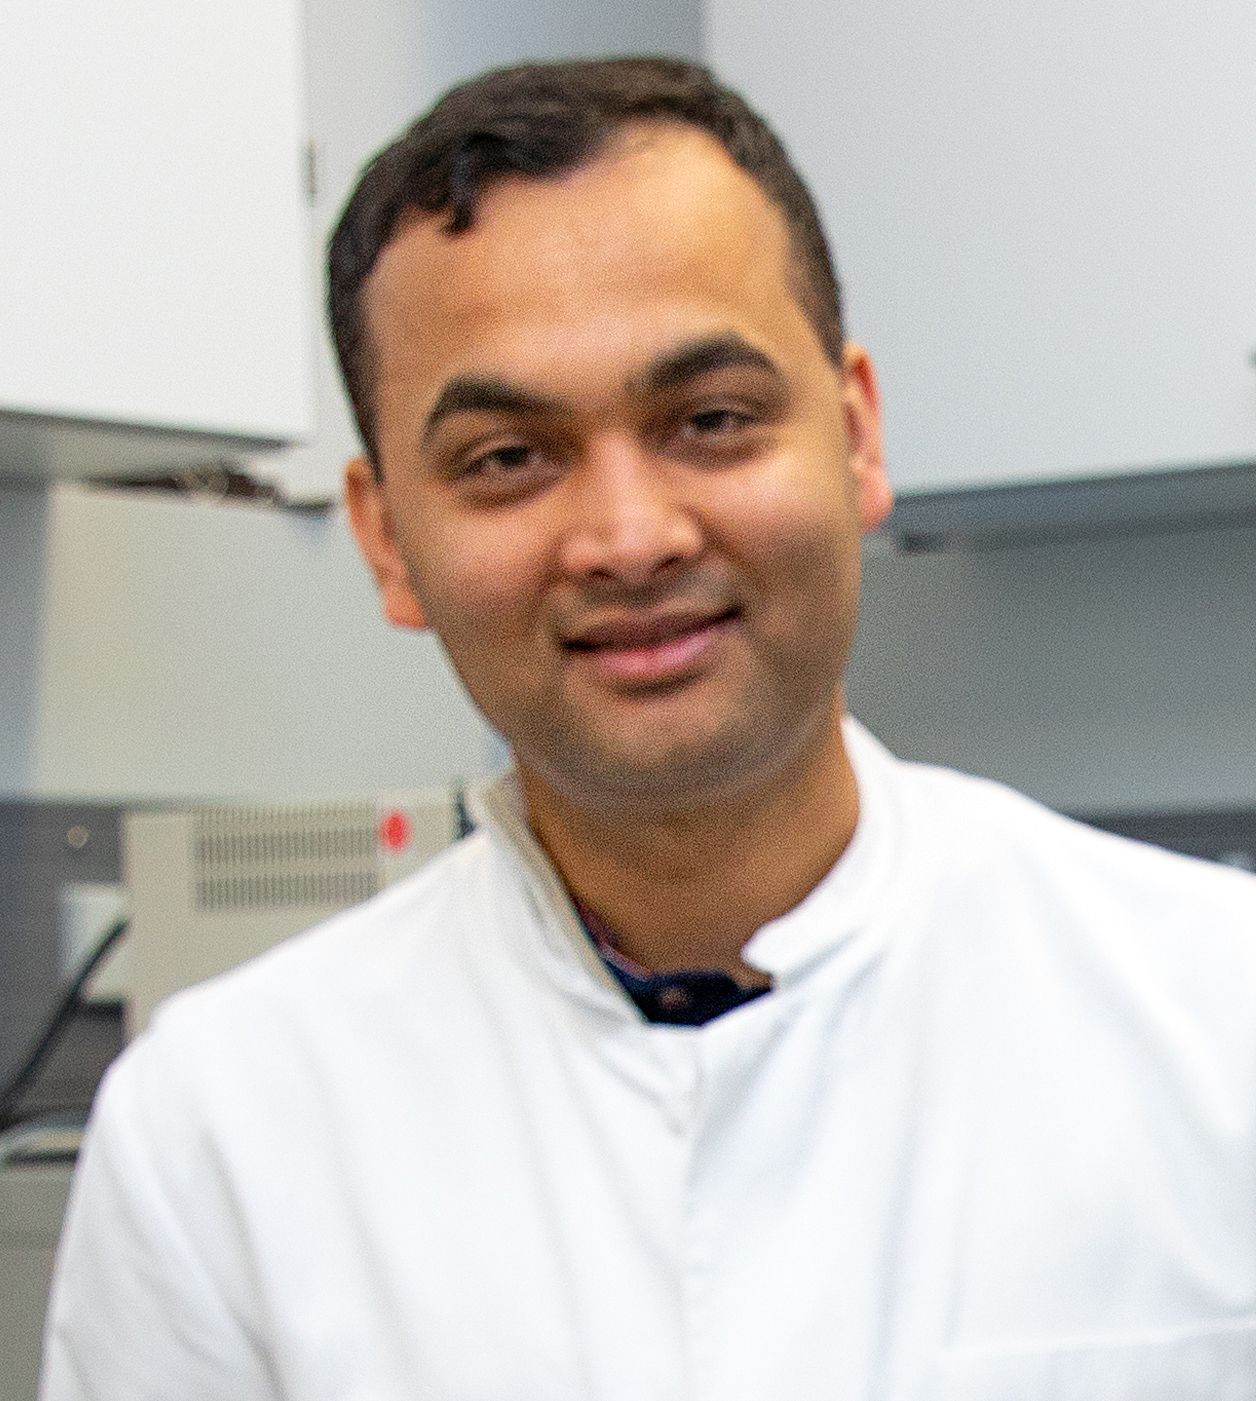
{"x":673,"y":998}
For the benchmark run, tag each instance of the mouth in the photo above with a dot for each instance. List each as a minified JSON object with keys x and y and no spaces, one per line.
{"x":653,"y":649}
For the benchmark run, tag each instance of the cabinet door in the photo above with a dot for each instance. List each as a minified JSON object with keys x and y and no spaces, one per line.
{"x":1045,"y":216}
{"x":154,"y":250}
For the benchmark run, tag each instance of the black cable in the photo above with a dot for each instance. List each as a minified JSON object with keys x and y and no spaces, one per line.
{"x":464,"y":824}
{"x":21,"y":1081}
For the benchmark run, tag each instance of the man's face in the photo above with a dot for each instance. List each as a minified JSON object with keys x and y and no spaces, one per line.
{"x":621,"y":480}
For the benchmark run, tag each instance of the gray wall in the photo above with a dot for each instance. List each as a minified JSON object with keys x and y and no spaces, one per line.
{"x":177,"y":650}
{"x":23,"y":525}
{"x":200,"y":651}
{"x":1101,"y":674}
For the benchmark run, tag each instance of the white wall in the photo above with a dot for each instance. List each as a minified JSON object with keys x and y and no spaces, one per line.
{"x":156,"y":648}
{"x":160,"y":649}
{"x":1044,"y":214}
{"x":375,"y":65}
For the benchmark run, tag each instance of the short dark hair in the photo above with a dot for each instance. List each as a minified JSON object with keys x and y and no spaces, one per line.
{"x":545,"y":119}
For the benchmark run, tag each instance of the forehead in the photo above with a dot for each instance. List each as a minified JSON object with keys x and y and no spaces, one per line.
{"x":661,"y":237}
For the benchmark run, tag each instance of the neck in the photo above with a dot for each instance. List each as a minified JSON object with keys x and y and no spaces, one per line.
{"x":688,"y":889}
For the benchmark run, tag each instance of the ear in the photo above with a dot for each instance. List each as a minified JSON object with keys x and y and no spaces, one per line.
{"x":862,"y":401}
{"x":372,"y":526}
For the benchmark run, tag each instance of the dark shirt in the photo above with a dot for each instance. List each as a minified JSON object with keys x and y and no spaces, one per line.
{"x":687,"y":997}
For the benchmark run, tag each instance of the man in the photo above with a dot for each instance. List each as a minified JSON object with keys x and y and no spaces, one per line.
{"x":730,"y":1058}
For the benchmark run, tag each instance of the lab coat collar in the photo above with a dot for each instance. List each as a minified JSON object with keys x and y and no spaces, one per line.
{"x":859,"y":893}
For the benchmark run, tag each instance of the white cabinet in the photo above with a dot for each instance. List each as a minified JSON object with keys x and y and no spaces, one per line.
{"x":1045,"y":216}
{"x":155,"y":259}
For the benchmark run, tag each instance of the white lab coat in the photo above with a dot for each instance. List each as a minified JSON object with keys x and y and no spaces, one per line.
{"x":993,"y":1135}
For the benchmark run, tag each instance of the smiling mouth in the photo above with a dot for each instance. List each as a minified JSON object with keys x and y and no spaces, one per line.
{"x":652,"y":651}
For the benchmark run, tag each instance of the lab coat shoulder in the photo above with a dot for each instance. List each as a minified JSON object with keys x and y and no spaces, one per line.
{"x":1094,"y":1002}
{"x":418,"y":944}
{"x":1085,"y":929}
{"x":412,"y":977}
{"x":1056,"y":876}
{"x":205,"y":1126}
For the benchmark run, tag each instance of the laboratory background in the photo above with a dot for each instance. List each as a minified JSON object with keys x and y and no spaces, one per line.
{"x":1044,"y":218}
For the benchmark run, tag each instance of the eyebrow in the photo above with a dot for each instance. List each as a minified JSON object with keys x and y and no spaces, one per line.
{"x":727,"y":351}
{"x":676,"y":368}
{"x":477,"y":394}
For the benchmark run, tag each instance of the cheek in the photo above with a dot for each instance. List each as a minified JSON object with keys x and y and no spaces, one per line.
{"x":796,"y":531}
{"x":800,"y":549}
{"x":480,"y":587}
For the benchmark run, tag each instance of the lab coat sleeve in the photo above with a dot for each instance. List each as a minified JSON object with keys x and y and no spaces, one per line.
{"x":150,"y":1293}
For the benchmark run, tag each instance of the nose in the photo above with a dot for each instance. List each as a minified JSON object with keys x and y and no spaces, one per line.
{"x":631,"y":525}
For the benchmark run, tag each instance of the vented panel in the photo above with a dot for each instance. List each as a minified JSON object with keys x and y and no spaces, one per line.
{"x":266,"y":858}
{"x":214,"y":886}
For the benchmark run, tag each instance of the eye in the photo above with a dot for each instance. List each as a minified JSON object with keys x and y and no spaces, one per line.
{"x":720,"y":433}
{"x":502,"y":461}
{"x":507,"y":472}
{"x":717,"y":422}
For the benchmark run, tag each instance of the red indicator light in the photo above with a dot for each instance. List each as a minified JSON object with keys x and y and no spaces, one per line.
{"x":394,"y":831}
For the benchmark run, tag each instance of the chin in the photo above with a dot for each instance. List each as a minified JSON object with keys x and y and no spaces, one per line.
{"x":666,"y":773}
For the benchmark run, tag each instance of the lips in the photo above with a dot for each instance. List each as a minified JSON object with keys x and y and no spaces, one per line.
{"x":653,"y":648}
{"x":649,"y":631}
